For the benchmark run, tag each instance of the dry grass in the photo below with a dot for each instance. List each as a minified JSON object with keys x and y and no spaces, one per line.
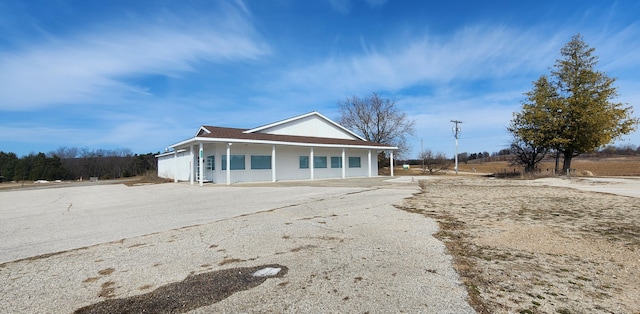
{"x":148,"y":178}
{"x":604,"y":167}
{"x":531,"y":249}
{"x":615,"y":166}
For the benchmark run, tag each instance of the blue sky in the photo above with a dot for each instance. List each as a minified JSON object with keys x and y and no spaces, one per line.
{"x":146,"y":74}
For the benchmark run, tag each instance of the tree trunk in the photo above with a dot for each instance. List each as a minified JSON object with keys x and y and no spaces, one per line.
{"x":566,"y":165}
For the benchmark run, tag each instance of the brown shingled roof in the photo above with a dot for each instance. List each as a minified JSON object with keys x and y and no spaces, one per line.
{"x":234,"y":133}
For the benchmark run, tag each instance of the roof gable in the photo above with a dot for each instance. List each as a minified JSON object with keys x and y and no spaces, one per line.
{"x":203,"y":131}
{"x":312,"y":124}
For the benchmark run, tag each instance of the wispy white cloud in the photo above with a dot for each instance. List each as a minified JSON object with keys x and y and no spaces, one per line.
{"x":475,"y":73}
{"x":480,"y":52}
{"x":344,"y":6}
{"x":144,"y":135}
{"x":341,"y":6}
{"x":91,"y":66}
{"x":444,"y":71}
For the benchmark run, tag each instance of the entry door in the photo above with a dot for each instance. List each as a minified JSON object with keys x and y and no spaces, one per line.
{"x":209,"y":169}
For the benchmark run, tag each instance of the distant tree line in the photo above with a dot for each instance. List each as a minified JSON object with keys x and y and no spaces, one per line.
{"x":430,"y":159}
{"x":611,"y":150}
{"x":70,"y":163}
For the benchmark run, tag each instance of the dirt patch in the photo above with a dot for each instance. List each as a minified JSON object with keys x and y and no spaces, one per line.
{"x":180,"y":297}
{"x":531,"y":249}
{"x":149,"y":178}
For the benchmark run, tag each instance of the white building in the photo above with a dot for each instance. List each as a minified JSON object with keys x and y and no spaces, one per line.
{"x":305,"y":147}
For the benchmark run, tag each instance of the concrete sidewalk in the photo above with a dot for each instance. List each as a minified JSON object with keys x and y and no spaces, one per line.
{"x":626,"y":186}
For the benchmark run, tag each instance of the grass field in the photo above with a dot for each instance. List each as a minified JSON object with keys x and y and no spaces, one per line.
{"x":602,"y":167}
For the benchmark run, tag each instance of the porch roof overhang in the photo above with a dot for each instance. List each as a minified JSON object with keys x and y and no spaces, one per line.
{"x":197,"y":140}
{"x":211,"y":134}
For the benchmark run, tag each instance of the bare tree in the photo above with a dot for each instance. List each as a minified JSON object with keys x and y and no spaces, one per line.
{"x":434,"y":162}
{"x":64,"y":152}
{"x":527,"y":154}
{"x":378,"y":120}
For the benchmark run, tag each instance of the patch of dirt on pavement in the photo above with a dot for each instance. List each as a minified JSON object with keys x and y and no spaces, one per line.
{"x":537,"y":249}
{"x":180,"y":297}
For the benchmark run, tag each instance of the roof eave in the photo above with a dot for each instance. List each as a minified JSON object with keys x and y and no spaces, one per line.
{"x":269,"y":142}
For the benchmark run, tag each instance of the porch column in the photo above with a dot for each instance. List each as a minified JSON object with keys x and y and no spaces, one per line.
{"x":229,"y":163}
{"x":344,"y":162}
{"x":311,"y":163}
{"x":201,"y":163}
{"x":175,"y":165}
{"x":369,"y":162}
{"x":391,"y":162}
{"x":273,"y":163}
{"x":191,"y":171}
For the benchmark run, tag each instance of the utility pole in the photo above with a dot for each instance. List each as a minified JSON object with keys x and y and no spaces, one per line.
{"x":456,"y":134}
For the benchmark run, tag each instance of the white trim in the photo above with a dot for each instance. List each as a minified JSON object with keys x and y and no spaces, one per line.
{"x":164,"y":154}
{"x":169,"y":153}
{"x":202,"y":128}
{"x":313,"y":113}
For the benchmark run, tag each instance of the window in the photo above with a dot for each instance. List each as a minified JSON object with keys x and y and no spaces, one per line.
{"x":354,"y":162}
{"x":260,"y":162}
{"x":336,"y":162}
{"x":304,"y":162}
{"x":319,"y":161}
{"x":237,"y":162}
{"x":211,"y":162}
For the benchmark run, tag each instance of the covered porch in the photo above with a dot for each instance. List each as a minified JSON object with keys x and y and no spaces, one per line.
{"x":228,"y":162}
